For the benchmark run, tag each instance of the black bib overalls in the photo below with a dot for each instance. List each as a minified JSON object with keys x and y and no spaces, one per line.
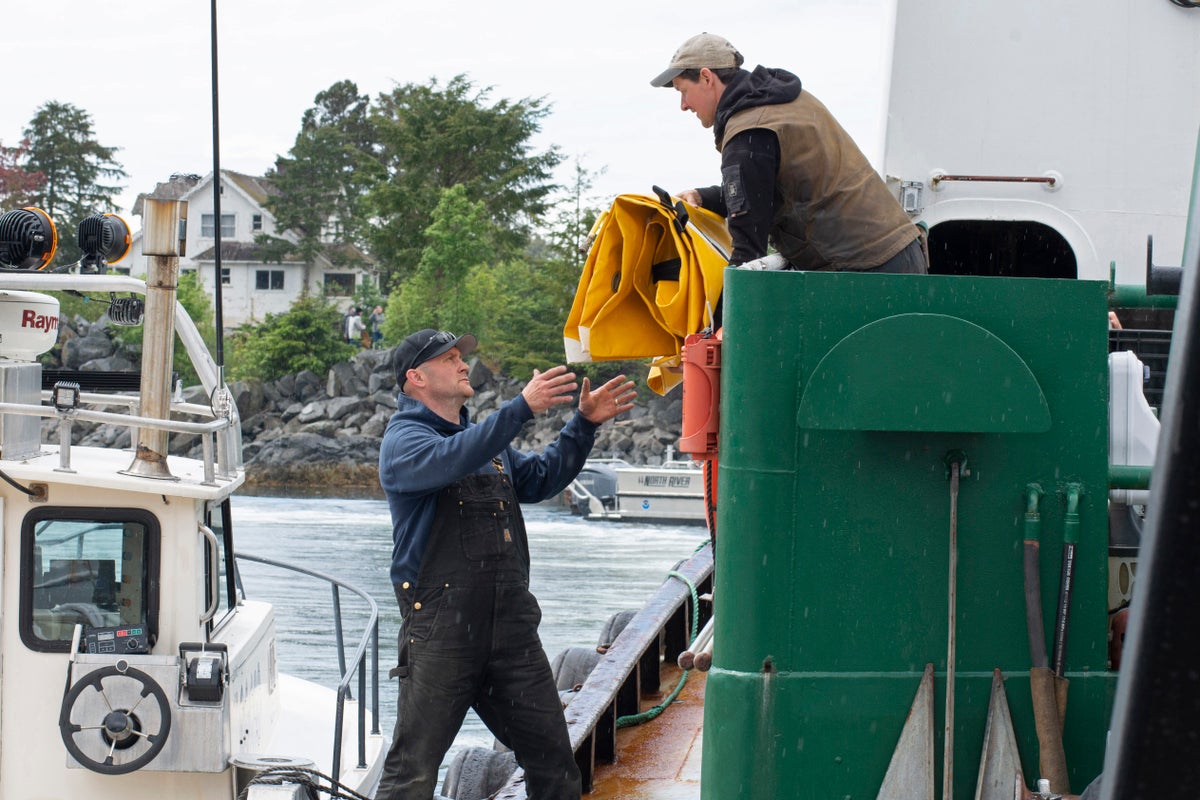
{"x":469,"y":640}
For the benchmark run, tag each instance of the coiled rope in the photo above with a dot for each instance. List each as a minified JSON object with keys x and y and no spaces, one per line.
{"x":637,"y":719}
{"x":308,"y":778}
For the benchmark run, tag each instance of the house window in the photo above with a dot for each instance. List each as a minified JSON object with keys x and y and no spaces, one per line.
{"x":256,"y":222}
{"x":339,"y":284}
{"x":97,"y":567}
{"x":268,"y":279}
{"x":227,"y":226}
{"x":225,"y":281}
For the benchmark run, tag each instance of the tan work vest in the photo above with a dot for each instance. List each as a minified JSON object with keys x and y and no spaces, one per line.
{"x":834,"y":211}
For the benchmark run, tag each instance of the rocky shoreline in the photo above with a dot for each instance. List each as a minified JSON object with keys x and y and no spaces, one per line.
{"x":308,"y":432}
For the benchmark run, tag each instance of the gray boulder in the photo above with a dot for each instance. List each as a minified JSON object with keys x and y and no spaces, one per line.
{"x":82,"y":349}
{"x":340,"y":407}
{"x":308,"y":385}
{"x":249,"y":397}
{"x":311,"y":412}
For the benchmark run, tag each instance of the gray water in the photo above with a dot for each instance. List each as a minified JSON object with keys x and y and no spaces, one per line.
{"x":582,"y":573}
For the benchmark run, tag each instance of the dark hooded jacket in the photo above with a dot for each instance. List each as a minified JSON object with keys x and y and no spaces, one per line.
{"x":789,"y":170}
{"x":422,"y":453}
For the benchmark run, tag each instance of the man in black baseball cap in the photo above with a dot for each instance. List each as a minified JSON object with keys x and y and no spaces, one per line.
{"x":419,"y":347}
{"x":460,"y":562}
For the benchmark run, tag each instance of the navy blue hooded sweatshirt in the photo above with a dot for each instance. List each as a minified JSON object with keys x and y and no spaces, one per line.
{"x":422,"y":453}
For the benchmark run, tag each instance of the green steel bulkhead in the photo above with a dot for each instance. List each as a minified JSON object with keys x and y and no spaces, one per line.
{"x":842,"y":395}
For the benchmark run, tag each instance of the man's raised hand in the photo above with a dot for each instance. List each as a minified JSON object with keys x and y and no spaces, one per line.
{"x":613,"y":398}
{"x":551,"y":388}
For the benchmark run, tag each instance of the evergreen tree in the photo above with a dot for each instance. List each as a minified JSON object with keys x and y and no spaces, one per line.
{"x":77,"y":170}
{"x":526,"y":300}
{"x":431,"y":138}
{"x":438,"y":294}
{"x":329,"y":168}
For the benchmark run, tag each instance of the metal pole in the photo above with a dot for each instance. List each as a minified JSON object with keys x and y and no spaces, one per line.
{"x":161,"y":244}
{"x":218,"y":317}
{"x":952,"y":597}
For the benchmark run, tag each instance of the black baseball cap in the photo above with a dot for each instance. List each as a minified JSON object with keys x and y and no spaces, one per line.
{"x":419,"y":347}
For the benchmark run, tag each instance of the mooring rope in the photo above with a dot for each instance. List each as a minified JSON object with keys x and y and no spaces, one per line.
{"x":637,"y":719}
{"x":308,"y":778}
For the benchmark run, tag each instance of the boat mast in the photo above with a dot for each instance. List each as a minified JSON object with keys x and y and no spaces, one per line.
{"x":216,"y":150}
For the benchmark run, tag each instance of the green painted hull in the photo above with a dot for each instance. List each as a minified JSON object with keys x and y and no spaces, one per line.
{"x":841,"y":396}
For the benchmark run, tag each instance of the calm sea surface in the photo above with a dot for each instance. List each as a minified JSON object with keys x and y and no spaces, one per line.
{"x":582,"y":573}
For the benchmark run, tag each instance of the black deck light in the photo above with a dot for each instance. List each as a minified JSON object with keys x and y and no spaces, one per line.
{"x":28,"y":238}
{"x":104,"y":239}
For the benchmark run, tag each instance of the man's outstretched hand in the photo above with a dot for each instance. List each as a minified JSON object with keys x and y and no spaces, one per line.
{"x":604,"y":403}
{"x":551,"y":388}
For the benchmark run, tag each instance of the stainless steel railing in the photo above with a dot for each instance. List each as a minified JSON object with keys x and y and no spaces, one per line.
{"x":348,"y":668}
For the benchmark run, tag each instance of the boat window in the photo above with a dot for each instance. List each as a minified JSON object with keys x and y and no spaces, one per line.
{"x":219,"y":520}
{"x":1008,"y":248}
{"x":93,"y":567}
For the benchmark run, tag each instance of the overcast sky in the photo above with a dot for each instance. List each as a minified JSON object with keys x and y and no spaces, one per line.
{"x":141,"y":69}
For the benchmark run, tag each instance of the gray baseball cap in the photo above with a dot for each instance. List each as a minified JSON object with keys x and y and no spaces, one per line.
{"x":698,"y":52}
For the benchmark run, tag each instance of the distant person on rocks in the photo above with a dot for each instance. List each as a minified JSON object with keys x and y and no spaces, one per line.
{"x":790,"y":175}
{"x":460,"y":562}
{"x":375,"y":322}
{"x":355,"y":327}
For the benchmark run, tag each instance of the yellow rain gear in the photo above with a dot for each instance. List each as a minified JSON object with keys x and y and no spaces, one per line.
{"x":653,"y":275}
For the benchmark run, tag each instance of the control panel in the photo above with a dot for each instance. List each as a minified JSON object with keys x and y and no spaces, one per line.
{"x":114,"y":641}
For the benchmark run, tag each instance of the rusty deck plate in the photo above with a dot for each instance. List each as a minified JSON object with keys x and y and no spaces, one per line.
{"x":659,"y":759}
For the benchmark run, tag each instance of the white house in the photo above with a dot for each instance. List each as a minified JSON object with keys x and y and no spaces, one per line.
{"x":253,"y":282}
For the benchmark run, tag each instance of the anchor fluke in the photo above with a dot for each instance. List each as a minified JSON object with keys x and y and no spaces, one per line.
{"x":910,"y":775}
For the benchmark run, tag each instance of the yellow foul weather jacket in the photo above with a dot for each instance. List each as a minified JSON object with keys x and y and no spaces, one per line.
{"x":653,"y":275}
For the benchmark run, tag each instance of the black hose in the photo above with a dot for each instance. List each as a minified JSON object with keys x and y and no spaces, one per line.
{"x":1063,"y":622}
{"x":19,"y":487}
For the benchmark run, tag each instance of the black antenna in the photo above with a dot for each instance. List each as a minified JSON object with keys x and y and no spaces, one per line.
{"x":216,"y":148}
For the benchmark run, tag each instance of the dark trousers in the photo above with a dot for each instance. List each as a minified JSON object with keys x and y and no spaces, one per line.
{"x":476,"y":647}
{"x":912,"y":260}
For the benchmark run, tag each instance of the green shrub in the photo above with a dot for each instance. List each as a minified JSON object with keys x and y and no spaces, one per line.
{"x":308,"y":336}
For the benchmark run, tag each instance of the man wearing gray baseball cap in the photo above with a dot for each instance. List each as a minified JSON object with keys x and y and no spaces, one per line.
{"x":790,"y":175}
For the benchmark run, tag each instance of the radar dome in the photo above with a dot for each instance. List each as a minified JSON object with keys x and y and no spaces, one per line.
{"x":28,"y":325}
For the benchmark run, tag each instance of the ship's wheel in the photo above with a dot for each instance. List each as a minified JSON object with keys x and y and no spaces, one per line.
{"x":118,"y":741}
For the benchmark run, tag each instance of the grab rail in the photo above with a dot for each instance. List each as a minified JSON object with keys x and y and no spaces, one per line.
{"x":357,"y":662}
{"x":214,"y":570}
{"x":206,"y":430}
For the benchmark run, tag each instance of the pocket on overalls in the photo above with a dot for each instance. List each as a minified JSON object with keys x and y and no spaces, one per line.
{"x":486,"y":529}
{"x":419,"y":615}
{"x":401,"y":669}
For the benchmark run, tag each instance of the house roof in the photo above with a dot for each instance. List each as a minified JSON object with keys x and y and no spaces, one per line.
{"x":242,"y":251}
{"x":336,"y":256}
{"x":257,"y":188}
